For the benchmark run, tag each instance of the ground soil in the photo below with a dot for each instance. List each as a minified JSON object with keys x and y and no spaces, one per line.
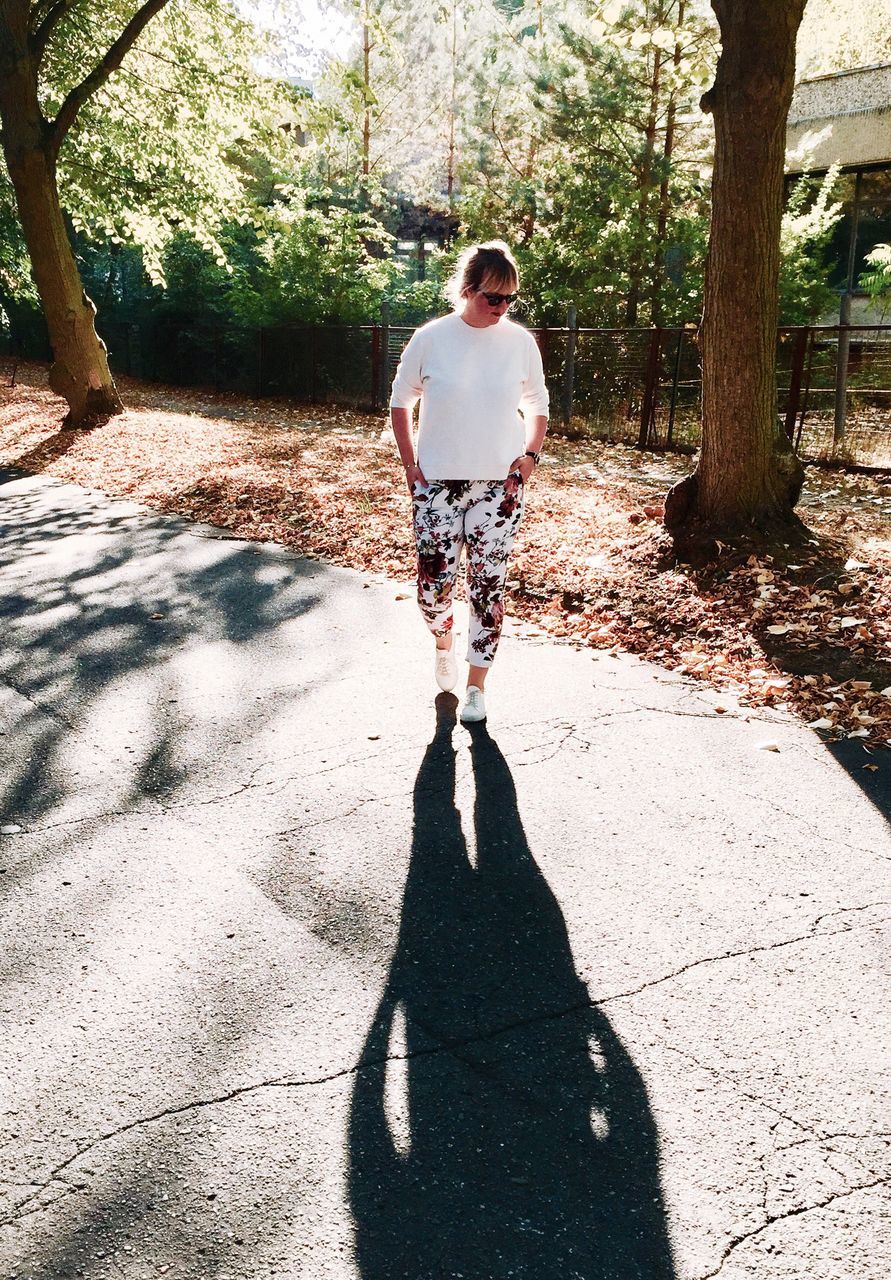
{"x":803,"y":628}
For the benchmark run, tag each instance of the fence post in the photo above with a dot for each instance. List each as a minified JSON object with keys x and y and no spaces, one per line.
{"x":569,"y":365}
{"x":799,"y":347}
{"x":806,"y":389}
{"x":375,"y":367}
{"x":260,"y":363}
{"x":841,"y":370}
{"x":648,"y":404}
{"x":675,"y":377}
{"x":385,"y":354}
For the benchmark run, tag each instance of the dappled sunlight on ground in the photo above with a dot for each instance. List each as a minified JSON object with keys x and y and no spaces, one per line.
{"x":800,"y":628}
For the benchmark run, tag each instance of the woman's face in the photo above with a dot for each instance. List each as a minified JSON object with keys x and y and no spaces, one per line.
{"x":478,"y":311}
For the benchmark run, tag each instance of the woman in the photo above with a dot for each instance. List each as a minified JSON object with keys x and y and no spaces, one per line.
{"x":473,"y":371}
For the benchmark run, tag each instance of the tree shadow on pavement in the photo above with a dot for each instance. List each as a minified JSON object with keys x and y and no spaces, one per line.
{"x":521,"y":1143}
{"x":110,"y":619}
{"x":91,"y":596}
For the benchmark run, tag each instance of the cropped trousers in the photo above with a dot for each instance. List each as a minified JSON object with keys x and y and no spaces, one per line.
{"x":481,"y":516}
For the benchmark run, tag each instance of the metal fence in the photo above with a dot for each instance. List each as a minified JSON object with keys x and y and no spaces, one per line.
{"x":636,"y":385}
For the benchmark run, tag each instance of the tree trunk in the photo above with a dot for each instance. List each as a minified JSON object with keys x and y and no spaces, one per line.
{"x":366,"y":86}
{"x":453,"y":110}
{"x":80,"y":370}
{"x":747,"y":473}
{"x":665,"y":184}
{"x":645,"y":188}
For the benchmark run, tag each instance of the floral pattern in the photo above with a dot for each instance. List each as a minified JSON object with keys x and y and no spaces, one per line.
{"x":481,"y":516}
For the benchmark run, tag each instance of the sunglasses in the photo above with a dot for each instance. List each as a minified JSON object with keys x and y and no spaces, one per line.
{"x":495,"y":299}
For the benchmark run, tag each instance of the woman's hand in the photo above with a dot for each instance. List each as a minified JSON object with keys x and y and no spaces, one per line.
{"x":525,"y":465}
{"x":414,"y":473}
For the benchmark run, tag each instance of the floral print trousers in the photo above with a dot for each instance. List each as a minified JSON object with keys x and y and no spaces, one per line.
{"x":483,"y":516}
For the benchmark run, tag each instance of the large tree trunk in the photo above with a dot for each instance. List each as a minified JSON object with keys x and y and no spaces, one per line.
{"x":80,"y":370}
{"x":747,"y":473}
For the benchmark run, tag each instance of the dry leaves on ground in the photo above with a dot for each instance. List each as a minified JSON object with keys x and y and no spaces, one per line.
{"x":805,"y":629}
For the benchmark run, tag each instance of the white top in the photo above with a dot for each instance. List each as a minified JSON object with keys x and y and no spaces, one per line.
{"x":471,"y":383}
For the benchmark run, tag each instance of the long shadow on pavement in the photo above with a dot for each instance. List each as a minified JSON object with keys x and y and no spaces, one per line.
{"x":524,"y":1145}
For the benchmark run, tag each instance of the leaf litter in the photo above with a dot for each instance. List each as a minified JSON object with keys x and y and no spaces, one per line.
{"x":802,"y":629}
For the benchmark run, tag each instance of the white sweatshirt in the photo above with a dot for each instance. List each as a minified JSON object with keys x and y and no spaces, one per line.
{"x":471,"y":384}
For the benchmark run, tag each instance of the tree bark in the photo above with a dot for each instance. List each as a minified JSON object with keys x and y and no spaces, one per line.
{"x":80,"y":370}
{"x":31,"y":145}
{"x":366,"y":86}
{"x":747,"y":472}
{"x":665,"y":184}
{"x":645,"y":188}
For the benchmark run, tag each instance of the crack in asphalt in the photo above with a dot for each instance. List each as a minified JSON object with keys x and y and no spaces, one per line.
{"x":747,"y":951}
{"x":824,"y":1143}
{"x":734,"y":1083}
{"x":336,"y":817}
{"x":567,"y":737}
{"x":445,"y":1047}
{"x":841,"y":911}
{"x":44,"y":709}
{"x":278,"y":1082}
{"x":831,"y":1137}
{"x":158,"y":808}
{"x":783,"y":1217}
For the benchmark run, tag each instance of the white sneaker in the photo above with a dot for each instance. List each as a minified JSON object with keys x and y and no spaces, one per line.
{"x":474,"y":706}
{"x":447,"y":667}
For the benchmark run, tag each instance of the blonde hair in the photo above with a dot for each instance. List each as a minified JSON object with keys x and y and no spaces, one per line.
{"x":490,"y":261}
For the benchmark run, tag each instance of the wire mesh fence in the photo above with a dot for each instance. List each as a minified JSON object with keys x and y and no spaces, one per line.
{"x":640,"y":386}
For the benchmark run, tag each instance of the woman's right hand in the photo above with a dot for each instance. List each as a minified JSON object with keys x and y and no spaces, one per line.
{"x":412,"y":474}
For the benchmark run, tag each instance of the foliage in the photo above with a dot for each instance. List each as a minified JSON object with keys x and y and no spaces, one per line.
{"x":571,"y":128}
{"x":167,"y":144}
{"x":15,"y":275}
{"x":877,"y":281}
{"x":322,"y":264}
{"x":608,"y":203}
{"x":809,"y":219}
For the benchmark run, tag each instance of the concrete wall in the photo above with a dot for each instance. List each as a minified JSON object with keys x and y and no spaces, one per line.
{"x":841,"y":119}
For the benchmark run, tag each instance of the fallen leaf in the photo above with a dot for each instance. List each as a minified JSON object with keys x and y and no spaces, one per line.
{"x":768,"y":746}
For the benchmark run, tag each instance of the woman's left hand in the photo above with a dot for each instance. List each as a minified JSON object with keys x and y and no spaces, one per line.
{"x":525,"y":465}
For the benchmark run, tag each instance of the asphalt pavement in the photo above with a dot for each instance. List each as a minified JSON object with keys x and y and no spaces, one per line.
{"x":302,"y":980}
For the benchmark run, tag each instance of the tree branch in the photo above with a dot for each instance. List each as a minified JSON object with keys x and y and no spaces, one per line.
{"x":47,"y":16}
{"x":393,"y":145}
{"x":504,"y":151}
{"x":114,"y":57}
{"x":37,"y":12}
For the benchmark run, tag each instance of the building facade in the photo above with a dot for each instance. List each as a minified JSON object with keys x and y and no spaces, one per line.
{"x":844,"y":119}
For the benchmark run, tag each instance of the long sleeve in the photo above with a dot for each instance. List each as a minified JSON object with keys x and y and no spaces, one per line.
{"x":407,"y":385}
{"x":534,"y":400}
